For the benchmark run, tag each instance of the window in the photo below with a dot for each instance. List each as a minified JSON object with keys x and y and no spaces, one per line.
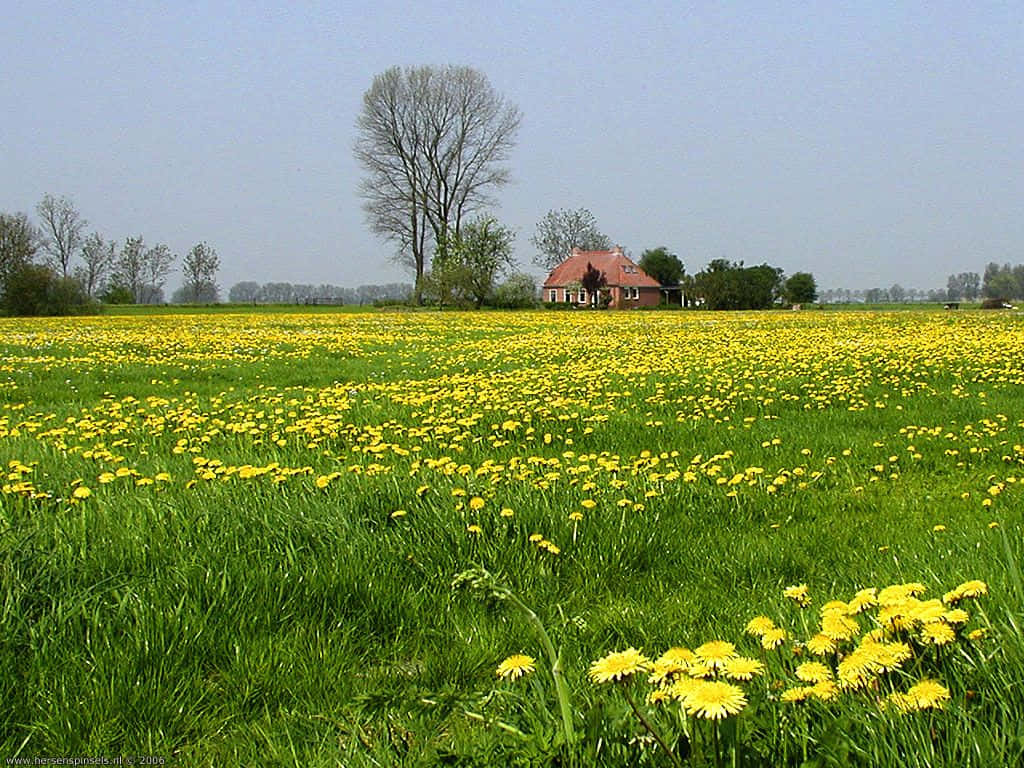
{"x":583,"y":296}
{"x":552,"y":295}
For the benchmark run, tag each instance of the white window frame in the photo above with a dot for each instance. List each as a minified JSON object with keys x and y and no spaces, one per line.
{"x":553,"y":295}
{"x":583,"y":295}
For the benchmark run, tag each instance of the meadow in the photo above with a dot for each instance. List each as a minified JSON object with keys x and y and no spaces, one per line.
{"x":389,"y":538}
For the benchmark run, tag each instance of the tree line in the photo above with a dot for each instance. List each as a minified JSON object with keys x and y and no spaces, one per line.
{"x":52,"y":267}
{"x":249,"y":292}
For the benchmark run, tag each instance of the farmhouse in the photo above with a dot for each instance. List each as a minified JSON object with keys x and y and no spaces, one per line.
{"x":627,"y":286}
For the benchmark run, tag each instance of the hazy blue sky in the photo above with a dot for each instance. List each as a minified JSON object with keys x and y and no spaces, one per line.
{"x":868,"y":142}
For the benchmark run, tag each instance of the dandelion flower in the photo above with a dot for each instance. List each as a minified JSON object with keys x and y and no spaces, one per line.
{"x":476,"y":503}
{"x":715,"y":653}
{"x":813,"y":672}
{"x":742,"y":668}
{"x":956,"y":616}
{"x":618,"y":666}
{"x":515,"y":666}
{"x":973,"y":588}
{"x":715,"y":700}
{"x":796,"y":695}
{"x":864,"y":599}
{"x":773,"y":638}
{"x":821,"y":645}
{"x":82,"y":492}
{"x":928,"y":694}
{"x":937,"y":633}
{"x":798,"y":594}
{"x":826,"y":690}
{"x":839,"y":627}
{"x":758,"y":625}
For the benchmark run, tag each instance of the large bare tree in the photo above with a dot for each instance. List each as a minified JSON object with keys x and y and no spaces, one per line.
{"x":61,"y":227}
{"x":433,"y":143}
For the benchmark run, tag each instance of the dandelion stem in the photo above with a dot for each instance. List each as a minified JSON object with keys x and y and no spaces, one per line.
{"x":650,"y":729}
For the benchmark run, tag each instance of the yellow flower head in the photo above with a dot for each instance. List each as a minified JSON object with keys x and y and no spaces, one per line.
{"x":742,"y":668}
{"x":773,"y":638}
{"x":715,"y":700}
{"x":798,"y":594}
{"x":619,"y":665}
{"x":758,"y":625}
{"x":937,"y":633}
{"x":813,"y":672}
{"x":715,"y":653}
{"x":515,"y":666}
{"x":928,"y":694}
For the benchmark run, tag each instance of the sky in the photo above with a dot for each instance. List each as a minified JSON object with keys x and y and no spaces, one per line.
{"x":866,"y":142}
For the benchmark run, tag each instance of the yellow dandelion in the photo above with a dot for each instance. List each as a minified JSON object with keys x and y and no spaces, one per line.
{"x":821,"y":645}
{"x":758,"y":625}
{"x":82,"y":492}
{"x":973,"y":588}
{"x":715,"y":700}
{"x":659,"y":695}
{"x":773,"y":638}
{"x":476,"y":503}
{"x":955,"y":616}
{"x":796,"y":695}
{"x":715,"y":653}
{"x":928,"y":694}
{"x":864,"y":599}
{"x":588,"y":503}
{"x":977,"y":634}
{"x":826,"y":690}
{"x":474,"y":528}
{"x":515,"y":666}
{"x":619,"y":665}
{"x":681,"y":689}
{"x":839,"y":627}
{"x":798,"y":594}
{"x":742,"y":668}
{"x":813,"y":672}
{"x":888,"y":656}
{"x":937,"y":633}
{"x":398,"y":513}
{"x":506,"y":512}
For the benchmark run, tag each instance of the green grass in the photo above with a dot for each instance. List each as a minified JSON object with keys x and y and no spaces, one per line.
{"x":268,"y":621}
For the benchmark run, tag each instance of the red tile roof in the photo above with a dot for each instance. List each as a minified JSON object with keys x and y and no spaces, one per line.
{"x":618,"y":270}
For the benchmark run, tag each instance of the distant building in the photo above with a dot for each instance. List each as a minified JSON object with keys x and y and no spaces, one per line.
{"x":627,"y":285}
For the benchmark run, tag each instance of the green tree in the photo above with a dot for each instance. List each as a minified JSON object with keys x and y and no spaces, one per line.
{"x":561,"y":231}
{"x":662,"y":265}
{"x":484,"y":251}
{"x":518,"y":291}
{"x":19,"y":241}
{"x":800,"y":288}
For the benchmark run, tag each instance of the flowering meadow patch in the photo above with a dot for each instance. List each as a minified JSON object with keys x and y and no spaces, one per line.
{"x":266,"y":511}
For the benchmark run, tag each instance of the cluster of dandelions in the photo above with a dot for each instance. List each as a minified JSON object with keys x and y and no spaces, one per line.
{"x":856,"y":648}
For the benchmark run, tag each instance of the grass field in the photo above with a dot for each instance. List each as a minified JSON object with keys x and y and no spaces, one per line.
{"x":232,"y":539}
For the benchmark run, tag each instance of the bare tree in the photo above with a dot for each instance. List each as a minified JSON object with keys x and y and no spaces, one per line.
{"x":128,"y":272}
{"x":156,"y":266}
{"x":561,"y":231}
{"x":199,"y":268}
{"x":62,"y":229}
{"x":432,"y":143}
{"x":98,"y":257}
{"x":19,"y":241}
